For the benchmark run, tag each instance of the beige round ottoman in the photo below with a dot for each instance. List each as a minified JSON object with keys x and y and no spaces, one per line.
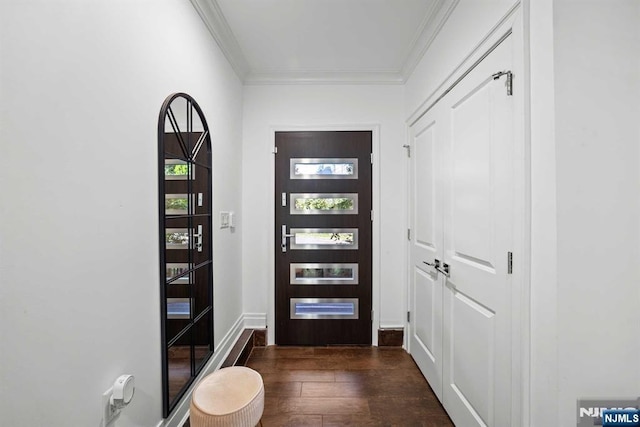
{"x":231,"y":396}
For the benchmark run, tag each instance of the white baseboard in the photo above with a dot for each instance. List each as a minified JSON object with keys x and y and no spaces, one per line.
{"x":255,"y":320}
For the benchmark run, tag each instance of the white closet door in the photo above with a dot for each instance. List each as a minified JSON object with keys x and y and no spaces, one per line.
{"x":478,"y":220}
{"x":425,"y":331}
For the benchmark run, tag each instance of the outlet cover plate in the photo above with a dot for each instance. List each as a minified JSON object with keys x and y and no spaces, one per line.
{"x":109,"y":414}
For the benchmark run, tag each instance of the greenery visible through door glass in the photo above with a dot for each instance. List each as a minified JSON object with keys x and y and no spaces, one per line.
{"x":324,"y":204}
{"x":176,"y":170}
{"x":177,"y":238}
{"x":176,"y":203}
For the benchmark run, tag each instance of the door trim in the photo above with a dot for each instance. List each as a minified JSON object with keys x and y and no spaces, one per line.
{"x":375,"y":226}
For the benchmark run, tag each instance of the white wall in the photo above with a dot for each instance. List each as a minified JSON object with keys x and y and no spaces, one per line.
{"x":597,"y":98}
{"x":268,"y":108}
{"x":543,"y":387}
{"x":81,"y":87}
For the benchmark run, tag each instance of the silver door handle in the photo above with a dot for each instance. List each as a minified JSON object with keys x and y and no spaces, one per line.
{"x":436,"y":264}
{"x":284,"y":238}
{"x":444,"y":269}
{"x":198,"y":237}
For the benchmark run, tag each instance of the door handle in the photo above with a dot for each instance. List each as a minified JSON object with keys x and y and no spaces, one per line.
{"x":198,"y":238}
{"x":284,"y":238}
{"x":435,"y":264}
{"x":444,"y":269}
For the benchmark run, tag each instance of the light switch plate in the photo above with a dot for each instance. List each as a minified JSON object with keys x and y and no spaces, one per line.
{"x":224,"y":219}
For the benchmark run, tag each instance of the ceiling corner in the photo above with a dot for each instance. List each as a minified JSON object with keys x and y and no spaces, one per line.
{"x":216,"y":23}
{"x":429,"y":30}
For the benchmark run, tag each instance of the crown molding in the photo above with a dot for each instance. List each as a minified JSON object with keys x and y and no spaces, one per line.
{"x":213,"y":18}
{"x":285,"y":77}
{"x":216,"y":23}
{"x":429,"y":30}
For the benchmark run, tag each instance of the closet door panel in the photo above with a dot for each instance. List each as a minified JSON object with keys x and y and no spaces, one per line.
{"x":425,"y":246}
{"x":478,"y":220}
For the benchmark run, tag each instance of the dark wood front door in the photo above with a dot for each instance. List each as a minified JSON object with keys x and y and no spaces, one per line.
{"x":323,"y":238}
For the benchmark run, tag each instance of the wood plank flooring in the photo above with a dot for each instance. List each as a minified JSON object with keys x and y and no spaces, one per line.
{"x":344,"y":386}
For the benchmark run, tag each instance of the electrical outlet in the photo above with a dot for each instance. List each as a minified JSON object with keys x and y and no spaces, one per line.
{"x":109,"y":413}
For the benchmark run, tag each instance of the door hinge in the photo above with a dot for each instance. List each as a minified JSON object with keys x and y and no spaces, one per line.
{"x":508,"y":83}
{"x":408,"y":234}
{"x":509,"y":262}
{"x":371,"y":215}
{"x":408,"y":317}
{"x":408,"y":147}
{"x":371,"y":158}
{"x":275,"y":150}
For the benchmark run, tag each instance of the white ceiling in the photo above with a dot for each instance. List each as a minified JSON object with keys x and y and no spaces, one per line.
{"x":323,"y":41}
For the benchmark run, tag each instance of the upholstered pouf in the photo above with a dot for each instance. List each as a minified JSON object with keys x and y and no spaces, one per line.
{"x":231,"y":396}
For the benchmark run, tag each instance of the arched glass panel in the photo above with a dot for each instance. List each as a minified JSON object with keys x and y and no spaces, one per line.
{"x":185,"y":236}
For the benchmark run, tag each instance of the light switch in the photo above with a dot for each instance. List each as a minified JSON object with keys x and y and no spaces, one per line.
{"x":224,"y":219}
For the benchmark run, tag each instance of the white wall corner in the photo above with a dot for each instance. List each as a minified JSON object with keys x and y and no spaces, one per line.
{"x":216,"y":23}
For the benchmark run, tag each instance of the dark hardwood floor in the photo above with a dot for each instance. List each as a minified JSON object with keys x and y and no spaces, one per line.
{"x":344,"y":386}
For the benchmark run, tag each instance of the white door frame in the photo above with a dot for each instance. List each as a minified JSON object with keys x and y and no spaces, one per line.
{"x":513,"y":22}
{"x":375,"y":226}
